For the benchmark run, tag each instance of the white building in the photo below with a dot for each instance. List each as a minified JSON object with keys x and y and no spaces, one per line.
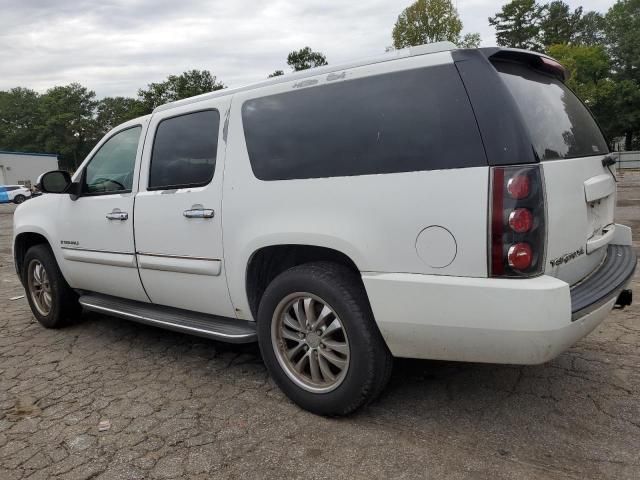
{"x":18,"y":168}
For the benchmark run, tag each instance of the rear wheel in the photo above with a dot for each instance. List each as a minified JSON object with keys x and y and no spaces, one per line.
{"x":319,"y":340}
{"x":52,"y":301}
{"x":19,"y":199}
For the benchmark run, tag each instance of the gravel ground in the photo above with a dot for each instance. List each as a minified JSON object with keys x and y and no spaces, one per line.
{"x":182,"y":406}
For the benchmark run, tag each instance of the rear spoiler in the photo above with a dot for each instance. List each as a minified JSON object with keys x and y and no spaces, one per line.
{"x":535,"y":60}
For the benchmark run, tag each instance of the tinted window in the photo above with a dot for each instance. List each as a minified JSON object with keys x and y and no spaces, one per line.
{"x":397,"y":122}
{"x":559,"y":124}
{"x":184,"y":151}
{"x":111,"y":168}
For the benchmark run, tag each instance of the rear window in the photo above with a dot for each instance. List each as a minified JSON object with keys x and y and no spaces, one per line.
{"x":398,"y":122}
{"x":559,"y":124}
{"x":184,"y":151}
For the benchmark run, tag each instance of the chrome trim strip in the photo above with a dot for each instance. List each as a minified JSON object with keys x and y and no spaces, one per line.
{"x":163,"y":324}
{"x":192,"y":265}
{"x":187,"y":257}
{"x":97,"y":251}
{"x":113,"y":259}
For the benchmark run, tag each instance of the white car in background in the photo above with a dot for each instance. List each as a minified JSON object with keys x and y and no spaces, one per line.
{"x":14,"y":193}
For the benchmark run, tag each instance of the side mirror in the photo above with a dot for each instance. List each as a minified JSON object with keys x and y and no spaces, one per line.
{"x":57,"y":181}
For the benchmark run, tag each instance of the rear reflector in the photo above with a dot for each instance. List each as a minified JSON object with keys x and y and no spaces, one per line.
{"x":497,"y":222}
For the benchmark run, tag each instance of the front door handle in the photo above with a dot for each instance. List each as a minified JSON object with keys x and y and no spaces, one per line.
{"x":198,"y":211}
{"x":117,"y":214}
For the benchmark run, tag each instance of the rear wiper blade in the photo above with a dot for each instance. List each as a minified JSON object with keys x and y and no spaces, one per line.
{"x":608,"y":162}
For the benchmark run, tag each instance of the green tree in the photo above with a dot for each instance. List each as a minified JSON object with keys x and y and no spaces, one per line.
{"x":305,"y":58}
{"x":559,"y":24}
{"x":427,"y":21}
{"x":622,"y":27}
{"x":621,"y":102}
{"x":20,"y":116}
{"x":67,"y":124}
{"x":177,"y":87}
{"x":589,"y":68}
{"x":518,"y":24}
{"x":622,"y":30}
{"x":590,"y":29}
{"x":277,"y":73}
{"x":470,"y":40}
{"x":587,"y":65}
{"x":112,"y":111}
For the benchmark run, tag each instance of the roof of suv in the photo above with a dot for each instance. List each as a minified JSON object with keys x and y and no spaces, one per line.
{"x":392,"y":55}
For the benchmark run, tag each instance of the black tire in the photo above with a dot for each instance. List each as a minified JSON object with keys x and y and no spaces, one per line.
{"x":64,"y":301}
{"x":370,"y":361}
{"x":18,"y":199}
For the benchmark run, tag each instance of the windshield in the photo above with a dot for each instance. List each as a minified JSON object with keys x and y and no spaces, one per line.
{"x":559,"y":124}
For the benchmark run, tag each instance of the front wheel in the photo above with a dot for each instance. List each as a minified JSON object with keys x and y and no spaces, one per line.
{"x":319,"y":340}
{"x":19,"y":199}
{"x":53,"y":302}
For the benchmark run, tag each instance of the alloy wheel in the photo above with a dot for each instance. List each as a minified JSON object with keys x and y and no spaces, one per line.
{"x":39,"y":287}
{"x":310,"y":342}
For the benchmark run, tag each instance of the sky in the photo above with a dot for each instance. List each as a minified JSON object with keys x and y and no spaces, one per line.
{"x":115,"y":47}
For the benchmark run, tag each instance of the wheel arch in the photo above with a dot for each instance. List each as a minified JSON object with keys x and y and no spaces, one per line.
{"x":22,"y":243}
{"x":267,"y":262}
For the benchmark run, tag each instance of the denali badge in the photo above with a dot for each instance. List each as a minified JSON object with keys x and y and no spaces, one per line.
{"x":69,"y":242}
{"x":567,"y":257}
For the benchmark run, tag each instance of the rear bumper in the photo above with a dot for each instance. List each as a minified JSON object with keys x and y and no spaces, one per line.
{"x":492,"y":320}
{"x":608,"y":280}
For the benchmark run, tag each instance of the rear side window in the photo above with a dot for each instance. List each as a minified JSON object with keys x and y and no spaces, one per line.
{"x":559,"y":124}
{"x":397,"y":122}
{"x":184,"y":151}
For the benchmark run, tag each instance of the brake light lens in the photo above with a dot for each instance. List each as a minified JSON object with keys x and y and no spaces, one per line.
{"x":517,"y":221}
{"x":519,"y":186}
{"x":520,"y":256}
{"x":521,"y":220}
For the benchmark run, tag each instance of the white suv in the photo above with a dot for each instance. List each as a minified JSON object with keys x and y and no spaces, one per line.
{"x":432,"y":203}
{"x":14,"y":193}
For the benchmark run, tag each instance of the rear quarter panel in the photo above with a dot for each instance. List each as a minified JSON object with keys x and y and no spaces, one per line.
{"x":373,"y":219}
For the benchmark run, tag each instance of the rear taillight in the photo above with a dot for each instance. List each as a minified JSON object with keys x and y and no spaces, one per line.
{"x":520,"y":256}
{"x":517,"y":221}
{"x":521,"y":220}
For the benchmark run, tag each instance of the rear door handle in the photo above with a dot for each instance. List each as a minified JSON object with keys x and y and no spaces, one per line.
{"x":117,"y":214}
{"x":198,"y":211}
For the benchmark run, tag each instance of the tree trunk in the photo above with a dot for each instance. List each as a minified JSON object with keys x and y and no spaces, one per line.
{"x":628,"y":139}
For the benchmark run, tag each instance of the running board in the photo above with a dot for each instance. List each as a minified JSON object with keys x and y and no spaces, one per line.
{"x":185,"y":321}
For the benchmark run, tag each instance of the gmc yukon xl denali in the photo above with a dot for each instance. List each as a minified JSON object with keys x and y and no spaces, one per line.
{"x":436,"y":203}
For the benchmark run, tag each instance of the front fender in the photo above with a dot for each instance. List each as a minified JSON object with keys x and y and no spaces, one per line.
{"x":38,"y":216}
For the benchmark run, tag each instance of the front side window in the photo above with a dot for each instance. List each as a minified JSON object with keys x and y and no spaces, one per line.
{"x":184,"y":151}
{"x":111,"y":168}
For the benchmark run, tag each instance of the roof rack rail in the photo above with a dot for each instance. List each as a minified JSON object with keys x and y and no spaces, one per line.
{"x":385,"y":57}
